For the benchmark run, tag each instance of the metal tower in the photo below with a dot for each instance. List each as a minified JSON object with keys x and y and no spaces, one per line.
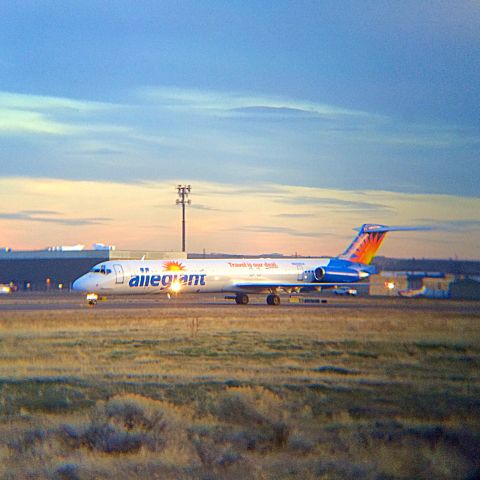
{"x":183,"y":192}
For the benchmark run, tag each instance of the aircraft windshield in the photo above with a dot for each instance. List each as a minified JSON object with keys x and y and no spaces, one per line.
{"x":102,"y":269}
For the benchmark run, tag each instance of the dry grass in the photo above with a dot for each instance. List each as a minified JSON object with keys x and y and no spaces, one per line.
{"x":382,"y":391}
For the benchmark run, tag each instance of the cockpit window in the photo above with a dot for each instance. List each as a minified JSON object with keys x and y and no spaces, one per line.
{"x":102,"y":269}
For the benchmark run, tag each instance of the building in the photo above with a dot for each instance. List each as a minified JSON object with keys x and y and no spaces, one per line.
{"x":465,"y":289}
{"x":425,"y":284}
{"x":43,"y":270}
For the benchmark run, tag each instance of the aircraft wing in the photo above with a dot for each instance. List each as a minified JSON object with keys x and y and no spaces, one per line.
{"x":290,"y":285}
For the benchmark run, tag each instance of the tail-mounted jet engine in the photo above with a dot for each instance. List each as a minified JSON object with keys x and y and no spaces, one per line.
{"x":338,"y":274}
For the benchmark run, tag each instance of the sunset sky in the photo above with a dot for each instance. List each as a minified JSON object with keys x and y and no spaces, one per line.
{"x":294,"y":122}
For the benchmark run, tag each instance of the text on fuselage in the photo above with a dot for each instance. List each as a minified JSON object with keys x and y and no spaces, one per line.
{"x":166,"y":280}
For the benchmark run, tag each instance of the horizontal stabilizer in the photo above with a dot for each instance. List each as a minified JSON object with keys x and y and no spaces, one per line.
{"x":384,"y":228}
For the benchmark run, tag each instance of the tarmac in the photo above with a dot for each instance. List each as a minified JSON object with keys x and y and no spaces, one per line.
{"x":77,"y":302}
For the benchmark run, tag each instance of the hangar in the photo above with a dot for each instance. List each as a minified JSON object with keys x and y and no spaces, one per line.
{"x":42,"y":270}
{"x":466,"y":289}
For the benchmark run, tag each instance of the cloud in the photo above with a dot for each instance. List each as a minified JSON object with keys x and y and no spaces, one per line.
{"x":40,"y":212}
{"x":351,"y":125}
{"x":285,"y":194}
{"x":46,"y":216}
{"x":337,"y":203}
{"x":451,"y":225}
{"x":163,"y":133}
{"x":435,"y":136}
{"x":22,"y":113}
{"x":255,"y":222}
{"x":258,"y":189}
{"x":199,"y":206}
{"x":22,"y":101}
{"x":227,"y":103}
{"x":280,"y":230}
{"x":296,"y":215}
{"x":21,"y":121}
{"x":272,"y":112}
{"x":102,"y":151}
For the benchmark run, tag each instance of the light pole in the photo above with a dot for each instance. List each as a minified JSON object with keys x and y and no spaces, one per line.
{"x":183,"y":192}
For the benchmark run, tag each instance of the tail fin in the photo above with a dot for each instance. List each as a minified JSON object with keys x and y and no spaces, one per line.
{"x":368,"y":241}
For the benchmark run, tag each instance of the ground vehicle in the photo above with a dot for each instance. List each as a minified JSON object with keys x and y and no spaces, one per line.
{"x":346,"y":291}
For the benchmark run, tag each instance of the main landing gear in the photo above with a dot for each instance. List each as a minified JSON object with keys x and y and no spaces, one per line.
{"x":242,"y":299}
{"x":273,"y":299}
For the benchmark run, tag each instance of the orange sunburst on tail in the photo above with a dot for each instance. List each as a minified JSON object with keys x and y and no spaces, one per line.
{"x":173,"y":266}
{"x":366,"y":244}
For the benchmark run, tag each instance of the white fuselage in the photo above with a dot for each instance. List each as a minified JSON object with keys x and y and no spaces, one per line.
{"x":198,"y":276}
{"x":239,"y":276}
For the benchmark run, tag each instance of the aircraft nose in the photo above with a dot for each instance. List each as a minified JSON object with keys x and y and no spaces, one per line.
{"x":79,"y":284}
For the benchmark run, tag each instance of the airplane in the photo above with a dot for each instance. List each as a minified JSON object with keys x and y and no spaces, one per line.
{"x":238,"y":277}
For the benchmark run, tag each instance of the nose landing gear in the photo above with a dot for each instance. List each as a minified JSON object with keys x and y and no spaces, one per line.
{"x":92,"y":299}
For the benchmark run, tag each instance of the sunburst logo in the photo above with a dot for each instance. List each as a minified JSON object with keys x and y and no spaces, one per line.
{"x":173,"y":266}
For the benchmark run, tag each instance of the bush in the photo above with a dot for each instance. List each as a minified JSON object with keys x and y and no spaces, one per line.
{"x":301,"y":446}
{"x":67,"y":471}
{"x":257,"y":410}
{"x":234,"y":409}
{"x":106,"y":438}
{"x":122,"y":425}
{"x":130,"y":413}
{"x":28,"y":440}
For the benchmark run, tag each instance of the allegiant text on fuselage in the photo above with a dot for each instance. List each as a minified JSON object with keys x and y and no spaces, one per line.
{"x":166,"y":280}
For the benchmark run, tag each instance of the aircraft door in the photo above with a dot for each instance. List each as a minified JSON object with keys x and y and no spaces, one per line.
{"x":300,"y":269}
{"x":118,"y":273}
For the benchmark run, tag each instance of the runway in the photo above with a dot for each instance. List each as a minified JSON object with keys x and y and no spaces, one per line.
{"x":77,"y":302}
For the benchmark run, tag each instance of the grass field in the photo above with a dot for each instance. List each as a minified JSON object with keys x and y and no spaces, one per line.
{"x":388,"y":390}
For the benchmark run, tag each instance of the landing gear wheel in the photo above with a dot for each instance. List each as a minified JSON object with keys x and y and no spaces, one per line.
{"x":273,"y":299}
{"x":241,"y":299}
{"x":92,"y":299}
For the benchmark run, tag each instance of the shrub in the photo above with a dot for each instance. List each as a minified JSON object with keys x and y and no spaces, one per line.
{"x":234,"y":409}
{"x":281,"y":432}
{"x":27,"y":440}
{"x":300,"y":445}
{"x":258,"y":410}
{"x":134,"y":413}
{"x":229,"y":458}
{"x":67,"y":471}
{"x":334,"y":369}
{"x":124,"y":424}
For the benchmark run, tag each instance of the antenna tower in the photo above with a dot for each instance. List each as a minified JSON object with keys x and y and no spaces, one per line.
{"x":183,"y":192}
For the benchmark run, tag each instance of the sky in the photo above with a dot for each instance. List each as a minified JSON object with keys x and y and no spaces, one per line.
{"x":294,"y":122}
